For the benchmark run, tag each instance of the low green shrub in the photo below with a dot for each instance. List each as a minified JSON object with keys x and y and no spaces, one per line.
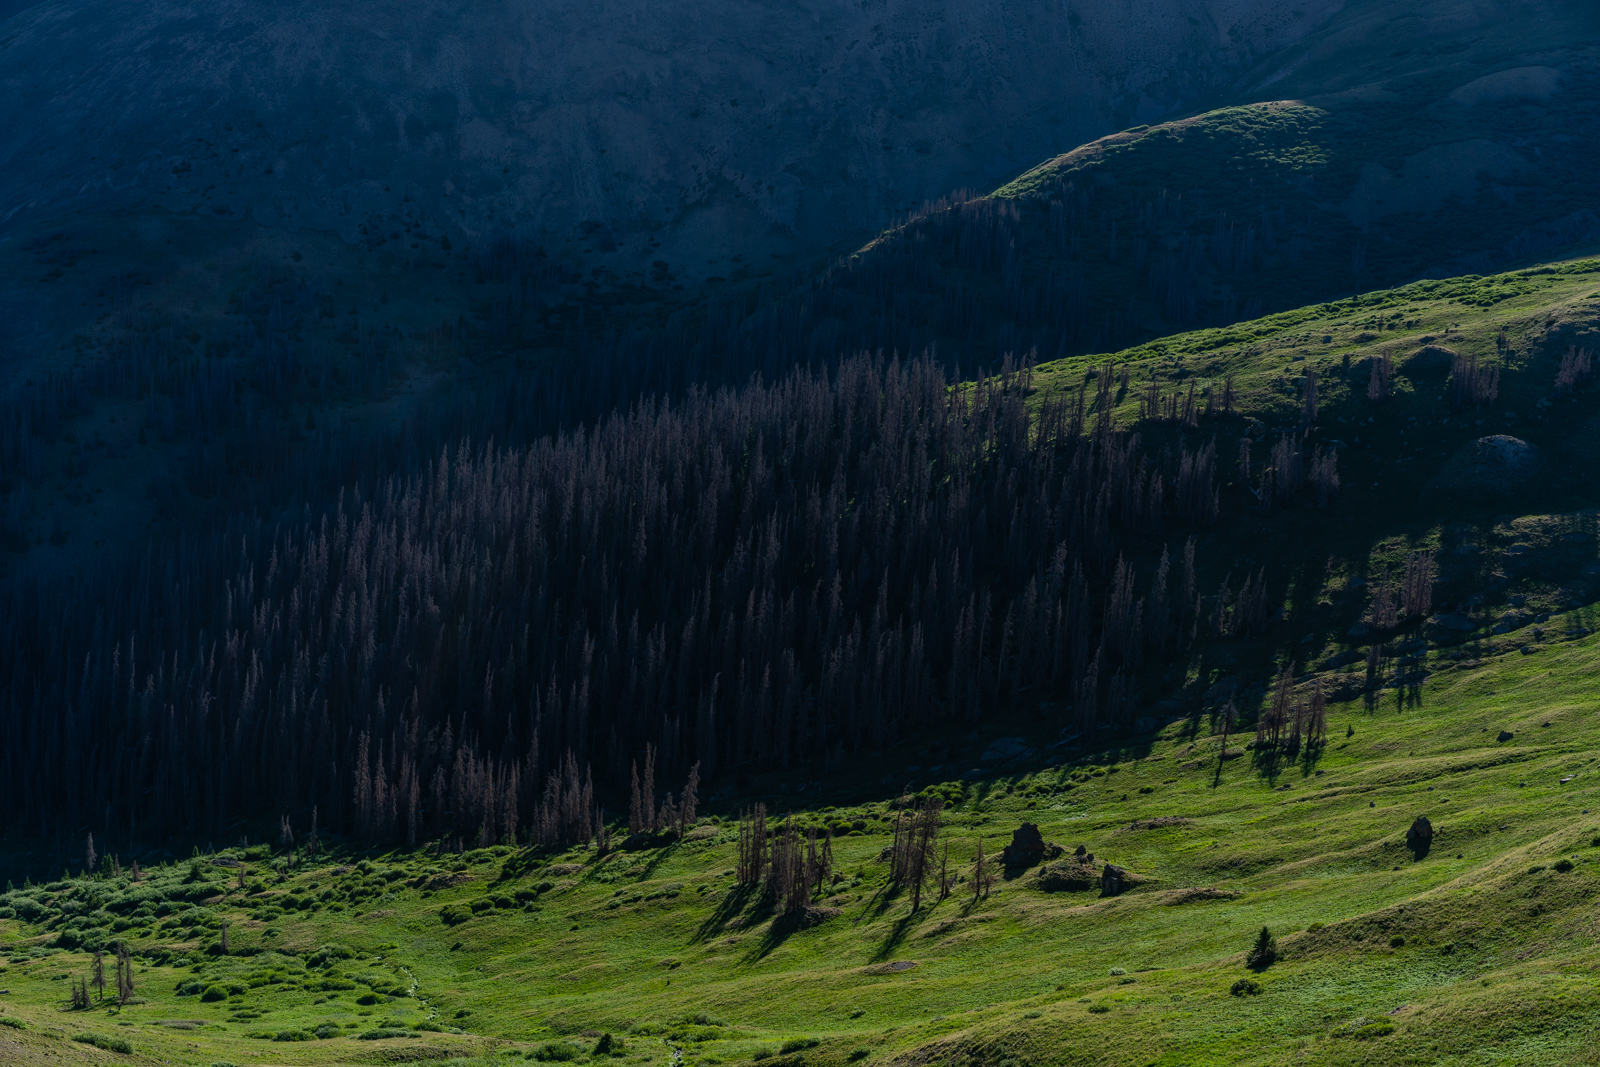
{"x":555,"y":1052}
{"x":1099,"y":1009}
{"x":15,"y":1024}
{"x":382,"y":1032}
{"x":110,"y":1044}
{"x":799,"y":1044}
{"x":1245,"y":987}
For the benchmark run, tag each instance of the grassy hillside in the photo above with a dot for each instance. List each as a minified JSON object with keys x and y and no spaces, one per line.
{"x":1488,"y":940}
{"x":1388,"y":954}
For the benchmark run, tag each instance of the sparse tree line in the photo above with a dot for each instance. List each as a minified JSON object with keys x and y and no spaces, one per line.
{"x":791,"y":571}
{"x":792,"y":864}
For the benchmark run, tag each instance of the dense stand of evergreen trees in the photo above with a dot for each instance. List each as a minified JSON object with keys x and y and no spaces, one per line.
{"x":796,"y":570}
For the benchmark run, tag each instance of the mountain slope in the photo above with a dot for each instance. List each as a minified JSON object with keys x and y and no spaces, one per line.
{"x":1387,"y":953}
{"x":715,"y":132}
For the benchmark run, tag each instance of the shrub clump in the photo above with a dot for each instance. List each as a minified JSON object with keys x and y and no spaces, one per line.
{"x":1245,"y":987}
{"x":555,"y":1052}
{"x":15,"y":1024}
{"x":799,"y":1044}
{"x":110,"y":1044}
{"x":1367,"y":1031}
{"x":1068,"y":876}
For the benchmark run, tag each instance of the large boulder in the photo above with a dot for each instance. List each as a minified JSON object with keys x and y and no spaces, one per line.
{"x":1027,"y":847}
{"x":1419,"y":839}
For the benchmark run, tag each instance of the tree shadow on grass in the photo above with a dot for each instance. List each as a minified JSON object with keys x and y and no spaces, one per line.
{"x":879,"y":902}
{"x":728,"y":908}
{"x":780,"y":929}
{"x":897,"y":936}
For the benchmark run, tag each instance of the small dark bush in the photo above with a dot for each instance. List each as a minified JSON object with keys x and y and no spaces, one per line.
{"x":1099,"y":1009}
{"x":15,"y":1024}
{"x":1563,"y":866}
{"x":382,"y":1032}
{"x":291,"y":1035}
{"x":1245,"y":987}
{"x":214,"y":993}
{"x":857,"y":1055}
{"x":1397,"y":941}
{"x":368,"y":999}
{"x":555,"y":1052}
{"x":327,"y":1030}
{"x":799,"y":1044}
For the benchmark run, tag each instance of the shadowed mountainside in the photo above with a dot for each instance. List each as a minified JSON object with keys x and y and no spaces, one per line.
{"x":738,"y":128}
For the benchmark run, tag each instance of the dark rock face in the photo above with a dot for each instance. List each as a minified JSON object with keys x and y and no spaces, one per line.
{"x":1419,"y":839}
{"x":1505,"y":735}
{"x":1027,"y":847}
{"x":1114,"y":881}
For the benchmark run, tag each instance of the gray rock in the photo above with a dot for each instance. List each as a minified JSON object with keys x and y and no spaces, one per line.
{"x":1114,"y":881}
{"x":1006,"y":749}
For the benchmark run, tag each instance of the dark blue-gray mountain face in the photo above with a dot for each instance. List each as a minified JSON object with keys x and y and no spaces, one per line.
{"x":712,"y":130}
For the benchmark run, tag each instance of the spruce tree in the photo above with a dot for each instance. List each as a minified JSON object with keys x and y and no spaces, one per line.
{"x":1264,"y":953}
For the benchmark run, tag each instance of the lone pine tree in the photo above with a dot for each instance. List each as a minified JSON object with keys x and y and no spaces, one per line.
{"x":1264,"y":953}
